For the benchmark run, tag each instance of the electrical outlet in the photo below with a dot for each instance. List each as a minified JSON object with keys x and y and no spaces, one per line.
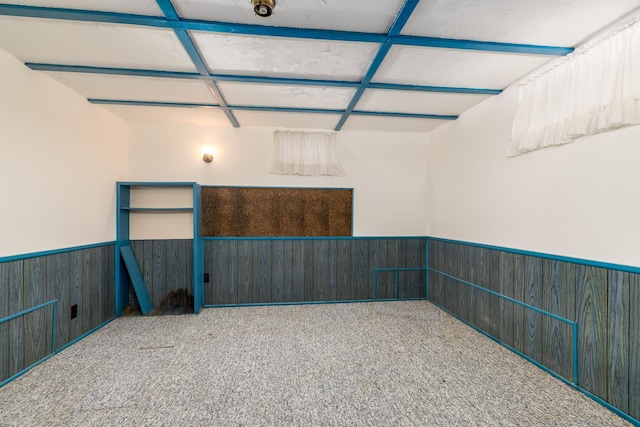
{"x":74,"y":311}
{"x":206,"y":277}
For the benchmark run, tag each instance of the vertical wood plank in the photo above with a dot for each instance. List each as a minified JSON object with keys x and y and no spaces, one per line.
{"x":5,"y":343}
{"x":97,"y":284}
{"x":634,"y":345}
{"x":287,"y":265}
{"x":618,"y":340}
{"x":223,"y":272}
{"x":175,"y":271}
{"x":494,"y":301}
{"x":462,"y":272}
{"x":373,"y":257}
{"x":76,"y":277}
{"x":147,"y":265}
{"x":211,"y":257}
{"x":15,"y":272}
{"x":591,"y":312}
{"x":412,"y":282}
{"x":385,"y":279}
{"x":37,"y":326}
{"x":519,"y":330}
{"x":506,"y":308}
{"x":58,"y":288}
{"x":277,"y":271}
{"x":438,"y":283}
{"x":321,"y":267}
{"x":263,"y":271}
{"x":483,"y":304}
{"x":357,"y":275}
{"x":533,"y":296}
{"x":332,"y":267}
{"x":106,"y":303}
{"x":309,"y":282}
{"x":343,"y":266}
{"x":558,"y":298}
{"x":474,"y":277}
{"x":244,"y":270}
{"x":85,"y":308}
{"x":159,"y":275}
{"x":451,"y":285}
{"x":111,"y":283}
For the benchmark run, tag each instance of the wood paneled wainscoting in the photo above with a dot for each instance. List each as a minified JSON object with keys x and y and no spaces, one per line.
{"x":299,"y":270}
{"x":530,"y":302}
{"x":75,"y":289}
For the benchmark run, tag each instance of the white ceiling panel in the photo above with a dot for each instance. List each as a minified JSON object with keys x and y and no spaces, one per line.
{"x":271,"y":56}
{"x":444,"y":67}
{"x":193,"y":116}
{"x":137,"y":7}
{"x":287,"y":120}
{"x":102,"y":86}
{"x":418,"y":102}
{"x":391,"y":124}
{"x":286,"y":96}
{"x":372,"y":16}
{"x":102,"y":45}
{"x":542,"y":22}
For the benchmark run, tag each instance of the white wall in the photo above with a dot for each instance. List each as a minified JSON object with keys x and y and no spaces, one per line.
{"x":386,"y":170}
{"x":59,"y":159}
{"x":580,"y":200}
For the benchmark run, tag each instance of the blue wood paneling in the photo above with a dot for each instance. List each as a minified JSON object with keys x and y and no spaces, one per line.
{"x":604,"y":300}
{"x":64,"y":275}
{"x":307,"y":270}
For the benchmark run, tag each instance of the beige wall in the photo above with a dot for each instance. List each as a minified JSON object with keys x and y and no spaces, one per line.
{"x":59,"y":159}
{"x":580,"y":200}
{"x":386,"y":170}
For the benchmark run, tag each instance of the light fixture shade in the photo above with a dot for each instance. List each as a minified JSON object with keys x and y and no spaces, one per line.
{"x":263,"y":8}
{"x":207,"y":154}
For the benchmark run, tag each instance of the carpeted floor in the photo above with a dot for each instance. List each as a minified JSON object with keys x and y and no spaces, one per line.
{"x":371,"y":364}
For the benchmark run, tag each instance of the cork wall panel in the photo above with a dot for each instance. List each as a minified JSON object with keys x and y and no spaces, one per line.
{"x":276,"y":212}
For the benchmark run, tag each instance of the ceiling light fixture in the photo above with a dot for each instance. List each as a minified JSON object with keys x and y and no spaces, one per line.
{"x":263,"y":8}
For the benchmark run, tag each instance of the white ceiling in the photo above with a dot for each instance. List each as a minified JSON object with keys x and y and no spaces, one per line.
{"x":330,"y":64}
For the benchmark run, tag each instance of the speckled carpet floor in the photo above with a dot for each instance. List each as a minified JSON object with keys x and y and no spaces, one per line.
{"x":371,"y":364}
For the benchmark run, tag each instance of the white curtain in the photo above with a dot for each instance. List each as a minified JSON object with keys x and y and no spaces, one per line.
{"x":306,"y":153}
{"x":594,"y":89}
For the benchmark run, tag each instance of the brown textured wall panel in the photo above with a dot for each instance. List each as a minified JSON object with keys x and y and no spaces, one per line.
{"x":275,"y":212}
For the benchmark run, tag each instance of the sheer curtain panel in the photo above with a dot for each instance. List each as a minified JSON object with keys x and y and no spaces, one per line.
{"x":306,"y":153}
{"x":594,"y":89}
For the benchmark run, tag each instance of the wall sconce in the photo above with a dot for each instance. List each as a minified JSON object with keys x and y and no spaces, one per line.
{"x":207,"y":154}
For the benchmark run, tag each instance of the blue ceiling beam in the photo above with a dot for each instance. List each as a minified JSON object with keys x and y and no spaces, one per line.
{"x":150,"y":103}
{"x":264,"y":30}
{"x":527,"y":49}
{"x":439,"y":89}
{"x":252,"y":79}
{"x":185,"y":39}
{"x":407,"y":115}
{"x":268,"y":109}
{"x":400,"y":21}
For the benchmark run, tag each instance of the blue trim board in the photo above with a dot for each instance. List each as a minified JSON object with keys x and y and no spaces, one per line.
{"x":136,"y":279}
{"x":610,"y":266}
{"x":253,"y":79}
{"x":265,"y":30}
{"x":155,"y":184}
{"x":267,"y":304}
{"x":54,"y":251}
{"x":270,"y":109}
{"x":317,"y":238}
{"x":276,"y":187}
